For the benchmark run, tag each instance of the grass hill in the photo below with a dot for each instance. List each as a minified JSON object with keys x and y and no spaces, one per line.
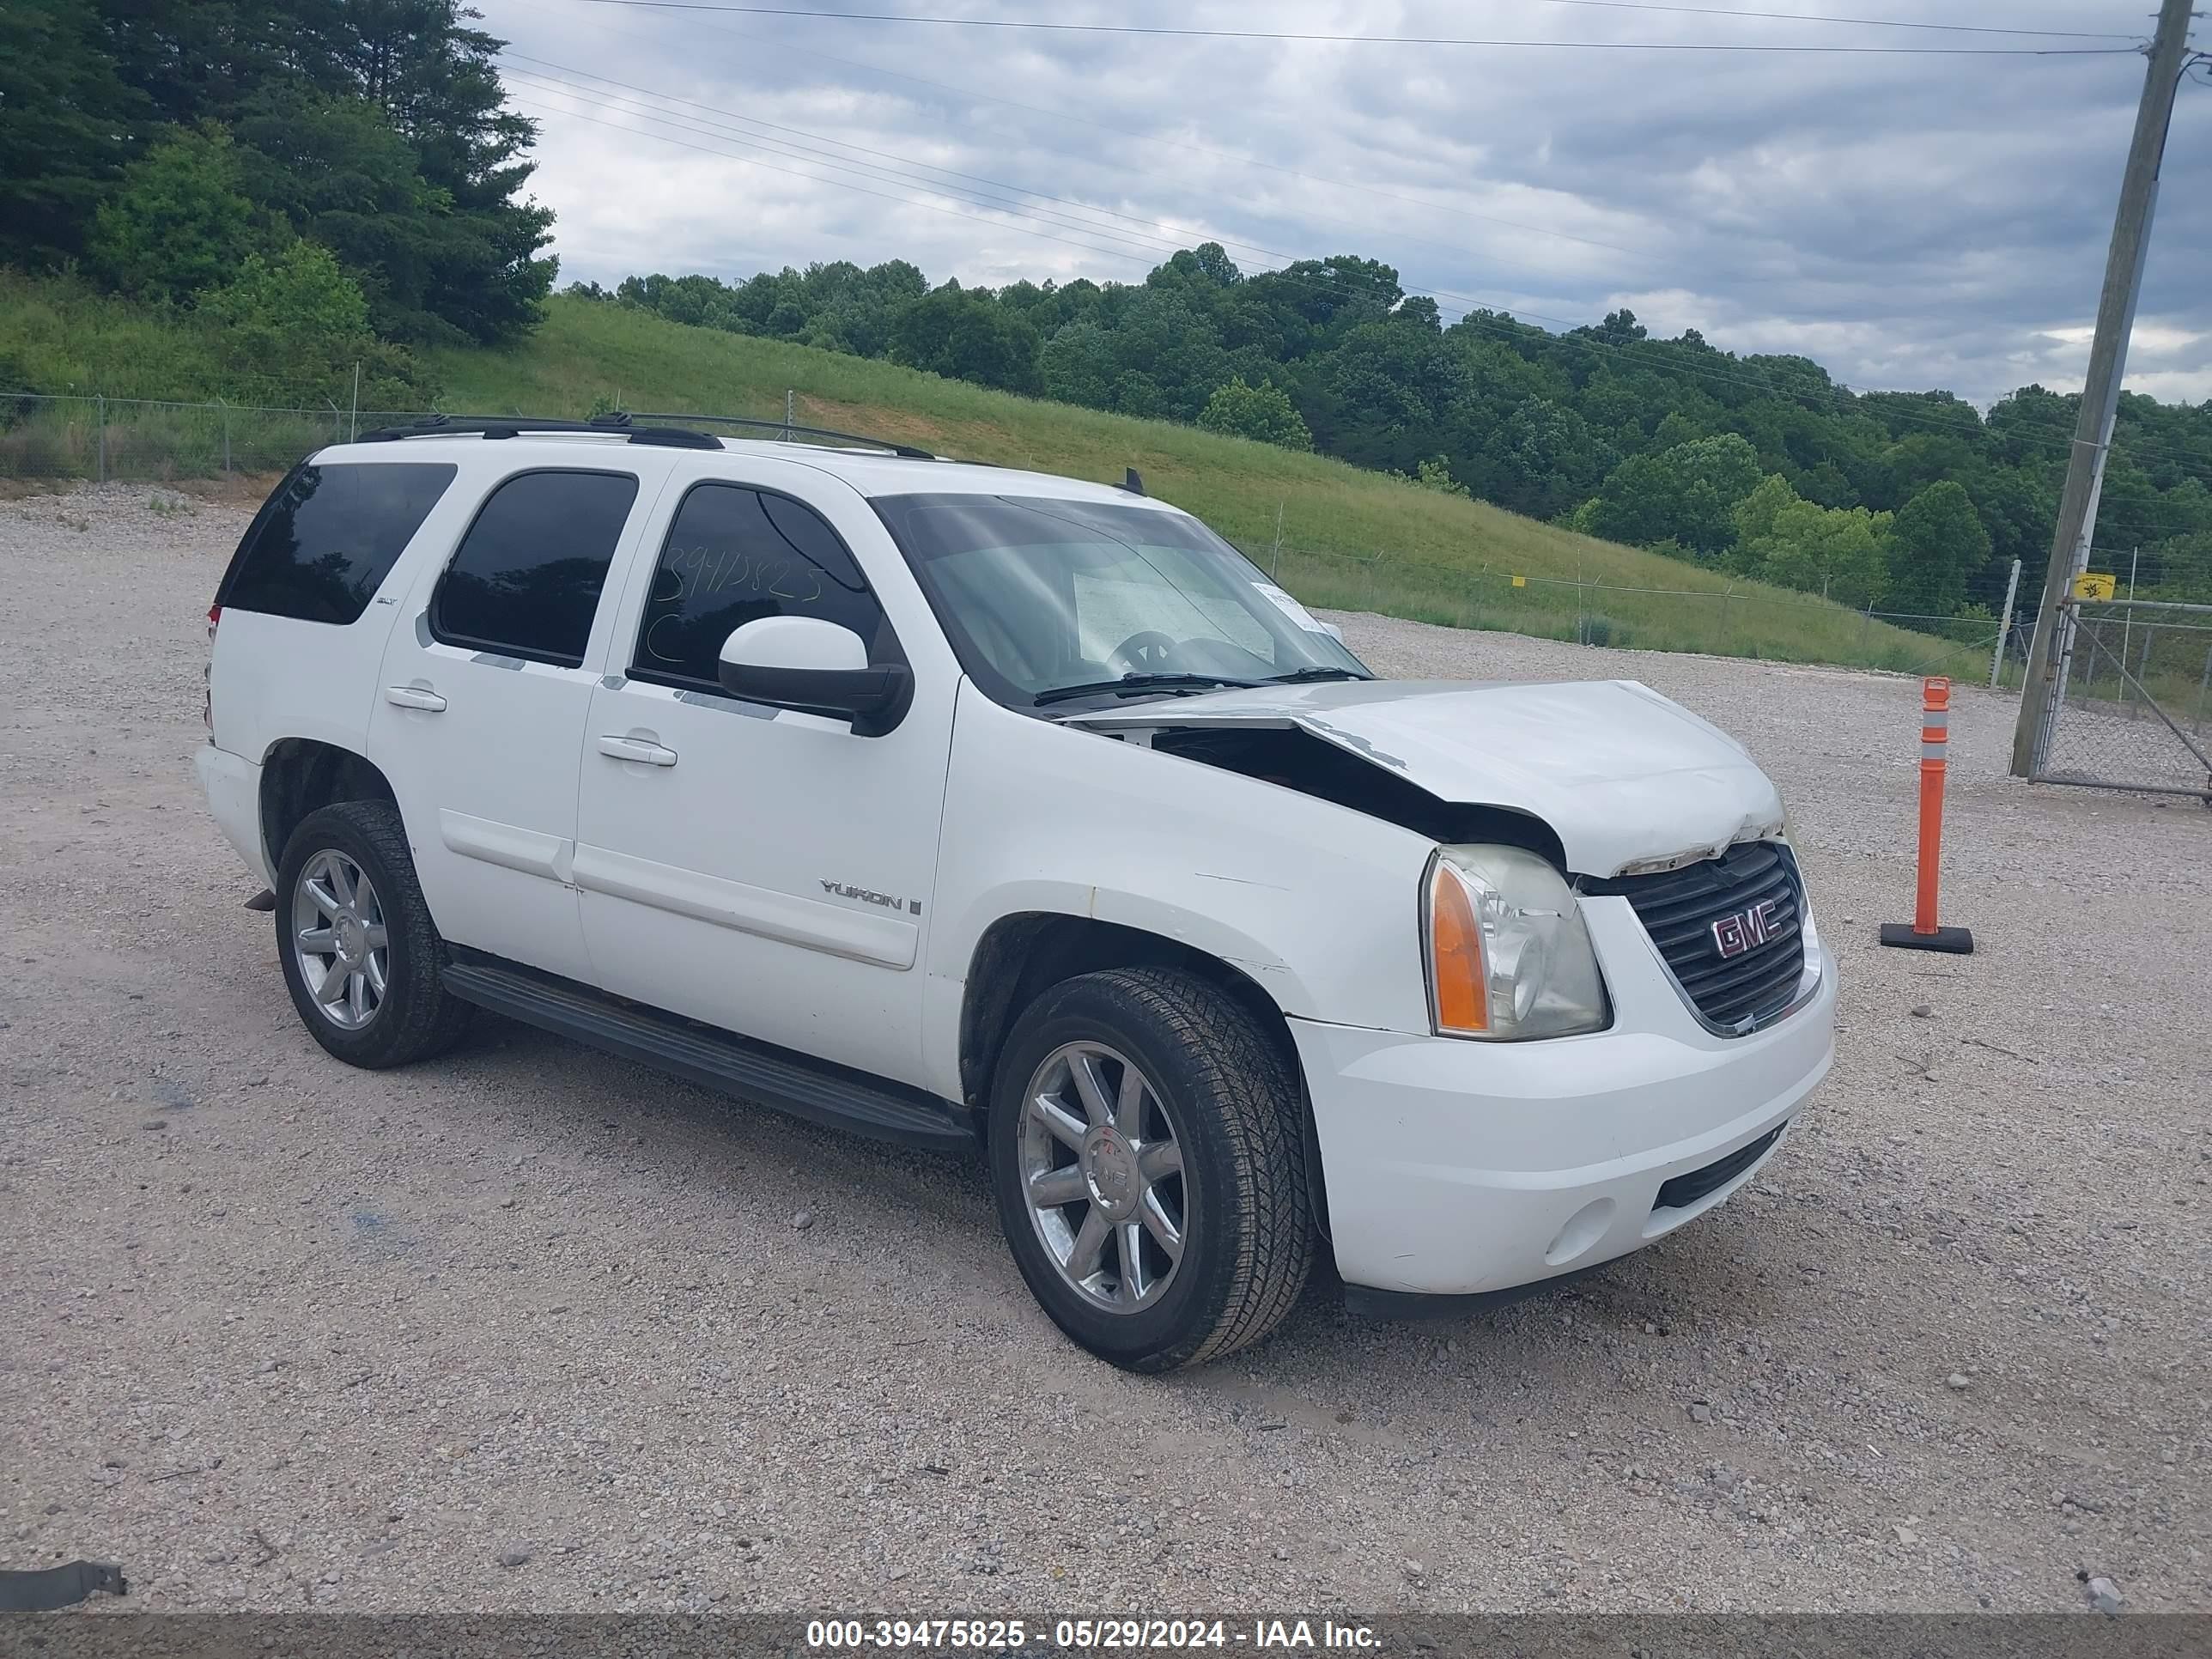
{"x":1348,"y":538}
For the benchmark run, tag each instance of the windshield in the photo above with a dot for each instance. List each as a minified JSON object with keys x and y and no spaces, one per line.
{"x":1050,"y":601}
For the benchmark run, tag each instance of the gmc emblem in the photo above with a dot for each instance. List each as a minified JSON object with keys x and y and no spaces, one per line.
{"x":1733,"y":935}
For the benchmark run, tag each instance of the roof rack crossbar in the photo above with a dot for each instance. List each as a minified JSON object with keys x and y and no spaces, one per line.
{"x":907,"y":452}
{"x":616,"y":425}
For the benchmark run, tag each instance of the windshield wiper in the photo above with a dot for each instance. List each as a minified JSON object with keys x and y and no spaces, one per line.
{"x":1303,"y":674}
{"x":1129,"y":682}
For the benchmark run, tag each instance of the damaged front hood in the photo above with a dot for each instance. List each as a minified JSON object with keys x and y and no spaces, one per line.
{"x":1628,"y":780}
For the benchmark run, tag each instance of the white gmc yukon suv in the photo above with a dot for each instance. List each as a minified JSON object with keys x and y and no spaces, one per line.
{"x":973,"y":807}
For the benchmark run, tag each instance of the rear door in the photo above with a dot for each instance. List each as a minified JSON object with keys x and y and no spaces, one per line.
{"x":309,"y":600}
{"x":479,"y":713}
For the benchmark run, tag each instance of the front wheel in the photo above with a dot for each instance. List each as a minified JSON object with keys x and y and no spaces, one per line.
{"x":1146,"y":1158}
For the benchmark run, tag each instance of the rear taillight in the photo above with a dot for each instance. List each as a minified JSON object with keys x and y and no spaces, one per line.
{"x":207,"y":671}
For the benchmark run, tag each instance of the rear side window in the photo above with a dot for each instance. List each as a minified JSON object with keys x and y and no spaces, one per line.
{"x":734,"y":556}
{"x":525,"y":580}
{"x":322,"y":545}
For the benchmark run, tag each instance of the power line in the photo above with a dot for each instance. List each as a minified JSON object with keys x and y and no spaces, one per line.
{"x":1146,"y":248}
{"x":1044,"y":26}
{"x":1178,"y":237}
{"x":747,"y":161}
{"x":1855,"y":23}
{"x":1424,"y":204}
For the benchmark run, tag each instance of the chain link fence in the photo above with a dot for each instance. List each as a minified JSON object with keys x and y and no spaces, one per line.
{"x":1730,"y":620}
{"x":2131,"y":698}
{"x":145,"y":441}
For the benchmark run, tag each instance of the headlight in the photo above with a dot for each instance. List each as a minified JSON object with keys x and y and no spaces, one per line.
{"x":1509,"y":957}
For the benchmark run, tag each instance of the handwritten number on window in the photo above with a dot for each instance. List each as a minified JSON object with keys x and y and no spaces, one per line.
{"x":730,"y":571}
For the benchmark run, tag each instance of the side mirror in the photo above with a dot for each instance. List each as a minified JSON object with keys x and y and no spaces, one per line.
{"x":1331,"y":630}
{"x":817,"y":667}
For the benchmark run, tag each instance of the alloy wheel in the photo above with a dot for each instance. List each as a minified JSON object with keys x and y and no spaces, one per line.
{"x":1103,"y":1170}
{"x":339,"y":940}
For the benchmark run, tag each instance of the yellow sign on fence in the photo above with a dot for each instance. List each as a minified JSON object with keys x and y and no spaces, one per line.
{"x":2094,"y":584}
{"x":1520,"y":582}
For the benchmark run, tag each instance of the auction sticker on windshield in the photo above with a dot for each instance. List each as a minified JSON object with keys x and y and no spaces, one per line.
{"x":1291,"y":608}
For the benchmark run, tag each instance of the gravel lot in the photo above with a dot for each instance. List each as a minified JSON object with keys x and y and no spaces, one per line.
{"x":532,"y":1328}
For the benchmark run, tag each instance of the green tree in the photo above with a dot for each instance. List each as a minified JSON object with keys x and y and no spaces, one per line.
{"x":1077,"y":365}
{"x":433,"y":77}
{"x":442,"y":239}
{"x":960,"y":334}
{"x":296,"y":324}
{"x":340,"y":175}
{"x":1687,"y":493}
{"x":1263,"y":413}
{"x":1755,"y":514}
{"x":178,"y":223}
{"x":1935,"y":543}
{"x":1435,"y":474}
{"x":1836,"y":552}
{"x":67,"y":122}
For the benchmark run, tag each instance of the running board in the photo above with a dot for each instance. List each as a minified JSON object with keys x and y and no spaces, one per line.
{"x":835,"y":1096}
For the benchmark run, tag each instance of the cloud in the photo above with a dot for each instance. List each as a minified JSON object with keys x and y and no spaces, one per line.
{"x":1908,"y":221}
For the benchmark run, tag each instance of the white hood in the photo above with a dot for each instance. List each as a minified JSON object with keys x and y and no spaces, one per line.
{"x":1626,"y":779}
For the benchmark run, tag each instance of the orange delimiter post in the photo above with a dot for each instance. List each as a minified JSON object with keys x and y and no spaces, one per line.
{"x":1935,"y":736}
{"x":1925,"y":934}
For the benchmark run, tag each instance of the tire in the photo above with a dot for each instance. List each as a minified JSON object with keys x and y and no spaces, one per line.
{"x":411,"y":1017}
{"x":1224,"y":1105}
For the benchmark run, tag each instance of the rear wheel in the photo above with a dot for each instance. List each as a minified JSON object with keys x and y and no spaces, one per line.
{"x":360,"y":955}
{"x":1145,"y":1156}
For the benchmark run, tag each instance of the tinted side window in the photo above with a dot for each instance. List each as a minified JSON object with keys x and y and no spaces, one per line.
{"x":735,"y":555}
{"x":527,"y":578}
{"x":322,"y":545}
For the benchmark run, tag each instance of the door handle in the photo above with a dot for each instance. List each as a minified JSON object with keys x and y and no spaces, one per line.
{"x":414,"y":696}
{"x":636,"y":749}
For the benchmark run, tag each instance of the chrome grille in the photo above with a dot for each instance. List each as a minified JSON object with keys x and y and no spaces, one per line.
{"x":1679,"y":909}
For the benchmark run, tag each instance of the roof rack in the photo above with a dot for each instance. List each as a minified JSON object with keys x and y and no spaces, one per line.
{"x":906,"y":451}
{"x":509,"y":426}
{"x":622,"y":424}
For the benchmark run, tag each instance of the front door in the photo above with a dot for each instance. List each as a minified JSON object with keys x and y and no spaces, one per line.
{"x":480,"y":711}
{"x":763,"y":871}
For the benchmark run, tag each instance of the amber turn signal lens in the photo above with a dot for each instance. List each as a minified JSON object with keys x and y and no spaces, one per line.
{"x":1456,"y":949}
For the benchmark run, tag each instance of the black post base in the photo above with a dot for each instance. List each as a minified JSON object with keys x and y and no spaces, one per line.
{"x":1956,"y":940}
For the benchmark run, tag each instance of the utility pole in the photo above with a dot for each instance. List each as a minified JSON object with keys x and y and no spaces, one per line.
{"x":2004,"y":624}
{"x":2100,"y":393}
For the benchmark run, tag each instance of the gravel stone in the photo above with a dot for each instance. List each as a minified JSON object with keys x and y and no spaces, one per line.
{"x":2104,"y":1596}
{"x":336,"y":1219}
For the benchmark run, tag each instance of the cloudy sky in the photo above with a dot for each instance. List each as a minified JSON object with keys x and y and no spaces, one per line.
{"x":1909,"y":220}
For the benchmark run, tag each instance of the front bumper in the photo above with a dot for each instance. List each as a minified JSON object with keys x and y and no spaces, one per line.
{"x":233,"y":784}
{"x":1463,"y":1169}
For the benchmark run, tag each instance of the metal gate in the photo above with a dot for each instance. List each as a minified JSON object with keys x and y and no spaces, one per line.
{"x":2129,"y":696}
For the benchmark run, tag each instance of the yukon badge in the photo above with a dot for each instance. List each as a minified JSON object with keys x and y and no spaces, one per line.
{"x":846,"y":889}
{"x":1733,"y":935}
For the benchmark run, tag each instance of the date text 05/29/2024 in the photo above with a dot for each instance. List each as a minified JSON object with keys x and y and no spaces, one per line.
{"x":1106,"y":1634}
